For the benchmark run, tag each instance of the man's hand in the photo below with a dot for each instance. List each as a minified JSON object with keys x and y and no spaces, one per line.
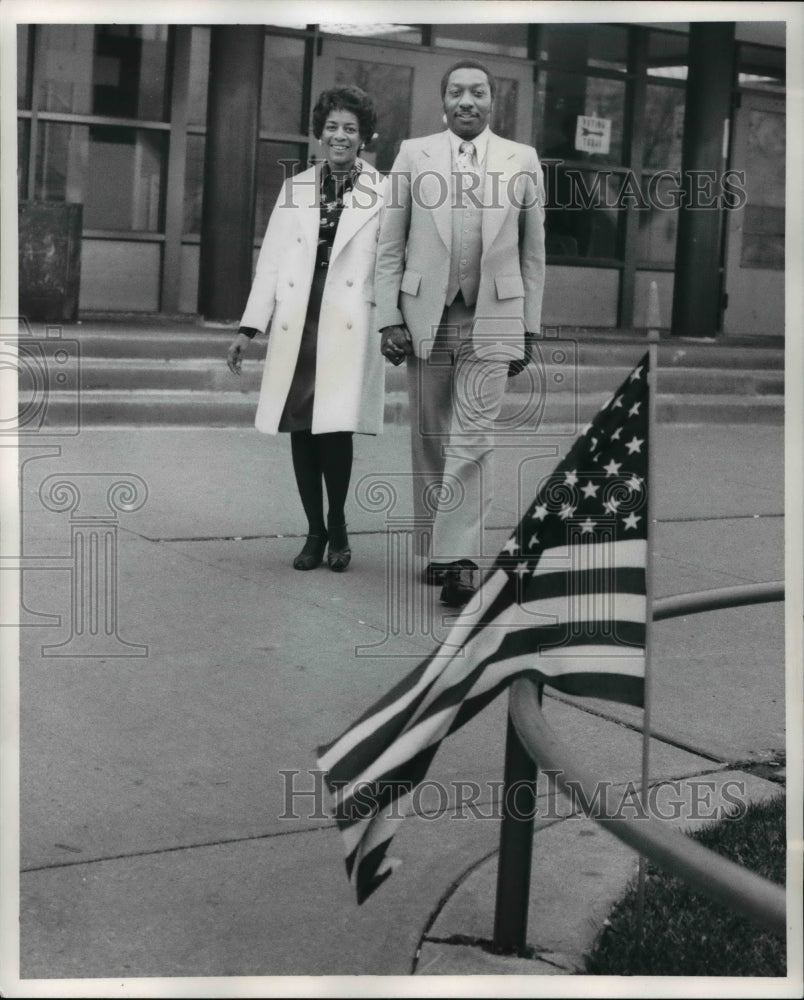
{"x":234,"y":356}
{"x":515,"y":367}
{"x":396,"y":343}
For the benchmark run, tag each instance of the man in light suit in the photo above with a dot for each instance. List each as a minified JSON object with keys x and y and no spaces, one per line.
{"x":458,"y":285}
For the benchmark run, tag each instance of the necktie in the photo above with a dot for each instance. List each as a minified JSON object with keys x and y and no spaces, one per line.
{"x":466,"y":156}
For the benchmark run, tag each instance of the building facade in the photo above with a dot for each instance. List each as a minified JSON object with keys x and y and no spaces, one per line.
{"x":663,"y":145}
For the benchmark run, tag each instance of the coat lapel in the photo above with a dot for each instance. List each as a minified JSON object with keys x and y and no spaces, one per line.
{"x":434,"y":196}
{"x":359,"y":207}
{"x":498,"y":162}
{"x":304,"y":203}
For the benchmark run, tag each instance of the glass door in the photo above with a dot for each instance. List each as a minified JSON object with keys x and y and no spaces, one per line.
{"x":405,"y":85}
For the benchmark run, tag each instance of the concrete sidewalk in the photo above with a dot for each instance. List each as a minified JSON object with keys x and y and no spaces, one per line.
{"x":165,"y":829}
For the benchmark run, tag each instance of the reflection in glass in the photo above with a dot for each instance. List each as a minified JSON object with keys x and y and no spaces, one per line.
{"x":117,"y":174}
{"x":23,"y":66}
{"x":505,"y":100}
{"x":111,"y":69}
{"x":761,"y":67}
{"x":199,"y":76}
{"x":664,"y":126}
{"x":276,"y":161}
{"x":585,"y":46}
{"x":763,"y":226}
{"x":667,"y":54}
{"x":564,"y":96}
{"x":282,"y":85}
{"x":390,"y":87}
{"x":23,"y":150}
{"x":193,"y":184}
{"x":585,"y":211}
{"x":501,"y":39}
{"x":658,"y":223}
{"x":409,"y":33}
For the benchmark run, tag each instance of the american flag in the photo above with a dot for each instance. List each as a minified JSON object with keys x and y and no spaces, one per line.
{"x":564,"y":603}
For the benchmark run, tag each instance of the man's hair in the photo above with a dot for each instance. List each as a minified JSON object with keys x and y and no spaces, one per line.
{"x":468,"y":64}
{"x":346,"y":99}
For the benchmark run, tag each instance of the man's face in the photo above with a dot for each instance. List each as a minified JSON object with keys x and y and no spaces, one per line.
{"x":467,"y":102}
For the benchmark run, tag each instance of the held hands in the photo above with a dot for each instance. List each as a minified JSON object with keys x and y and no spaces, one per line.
{"x":396,"y":343}
{"x":234,"y":356}
{"x":515,"y":367}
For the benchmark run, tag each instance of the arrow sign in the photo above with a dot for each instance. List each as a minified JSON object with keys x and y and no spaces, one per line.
{"x":593,"y":134}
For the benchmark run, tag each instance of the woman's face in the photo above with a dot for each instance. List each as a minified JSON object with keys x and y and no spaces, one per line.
{"x":341,"y":139}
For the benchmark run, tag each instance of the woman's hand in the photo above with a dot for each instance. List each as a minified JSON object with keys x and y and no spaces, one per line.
{"x":234,"y":356}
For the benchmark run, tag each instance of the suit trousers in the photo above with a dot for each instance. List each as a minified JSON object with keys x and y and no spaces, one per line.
{"x":455,"y":399}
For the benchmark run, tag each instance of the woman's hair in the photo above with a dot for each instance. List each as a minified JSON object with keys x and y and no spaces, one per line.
{"x":346,"y":99}
{"x":468,"y":64}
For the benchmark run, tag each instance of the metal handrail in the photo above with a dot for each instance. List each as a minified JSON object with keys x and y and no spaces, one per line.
{"x":712,"y":874}
{"x":530,"y":740}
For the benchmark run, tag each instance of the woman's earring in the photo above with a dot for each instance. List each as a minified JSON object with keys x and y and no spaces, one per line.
{"x":444,"y":119}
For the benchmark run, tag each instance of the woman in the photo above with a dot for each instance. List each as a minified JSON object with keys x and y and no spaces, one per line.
{"x":323,"y":377}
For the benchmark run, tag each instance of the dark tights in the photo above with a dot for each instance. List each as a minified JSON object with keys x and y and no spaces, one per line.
{"x":327,"y":458}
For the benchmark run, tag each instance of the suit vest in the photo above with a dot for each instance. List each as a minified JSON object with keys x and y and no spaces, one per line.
{"x":467,"y":241}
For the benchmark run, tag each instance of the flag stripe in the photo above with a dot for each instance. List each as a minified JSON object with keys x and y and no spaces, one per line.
{"x":564,"y":604}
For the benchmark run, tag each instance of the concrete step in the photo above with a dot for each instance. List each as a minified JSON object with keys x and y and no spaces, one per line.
{"x":180,"y":342}
{"x":212,"y":375}
{"x":63,"y":411}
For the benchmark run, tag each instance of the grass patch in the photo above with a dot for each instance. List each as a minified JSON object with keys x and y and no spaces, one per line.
{"x":685,"y":933}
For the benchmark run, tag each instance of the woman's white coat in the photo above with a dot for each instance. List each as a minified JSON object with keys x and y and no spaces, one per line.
{"x":350,"y":371}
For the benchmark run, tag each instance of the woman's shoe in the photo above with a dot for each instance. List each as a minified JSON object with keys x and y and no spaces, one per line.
{"x":312,"y":554}
{"x":339,"y":554}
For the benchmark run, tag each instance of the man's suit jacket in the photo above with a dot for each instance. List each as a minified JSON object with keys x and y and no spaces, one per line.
{"x":415,"y":240}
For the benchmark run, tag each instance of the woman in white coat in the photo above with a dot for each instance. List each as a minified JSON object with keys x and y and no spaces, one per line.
{"x":324,"y":375}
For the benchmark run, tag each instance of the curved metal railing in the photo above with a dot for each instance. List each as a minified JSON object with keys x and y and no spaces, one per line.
{"x":712,"y":874}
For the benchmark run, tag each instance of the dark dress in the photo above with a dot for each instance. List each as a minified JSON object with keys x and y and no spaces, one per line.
{"x":298,"y":412}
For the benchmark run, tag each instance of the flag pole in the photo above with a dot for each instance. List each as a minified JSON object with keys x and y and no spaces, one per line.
{"x":653,"y":337}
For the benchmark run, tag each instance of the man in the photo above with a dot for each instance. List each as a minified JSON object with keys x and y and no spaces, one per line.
{"x":458,"y":286}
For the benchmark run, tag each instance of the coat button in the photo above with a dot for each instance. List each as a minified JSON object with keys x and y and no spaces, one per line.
{"x":284,"y":326}
{"x":348,"y":326}
{"x":298,"y":239}
{"x":349,"y":283}
{"x":290,"y":283}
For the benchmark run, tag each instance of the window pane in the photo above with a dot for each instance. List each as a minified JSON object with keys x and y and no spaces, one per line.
{"x":282,"y":85}
{"x":582,"y":46}
{"x":761,"y":68}
{"x":118,"y":174}
{"x":276,"y":161}
{"x":664,"y":126}
{"x":117,"y":70}
{"x":585,"y":212}
{"x":390,"y":87}
{"x":23,"y":147}
{"x":194,"y":184}
{"x":565,"y":96}
{"x":23,"y":67}
{"x":410,"y":33}
{"x":658,"y":224}
{"x":504,"y":39}
{"x":504,"y":114}
{"x":199,"y":76}
{"x":667,"y":54}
